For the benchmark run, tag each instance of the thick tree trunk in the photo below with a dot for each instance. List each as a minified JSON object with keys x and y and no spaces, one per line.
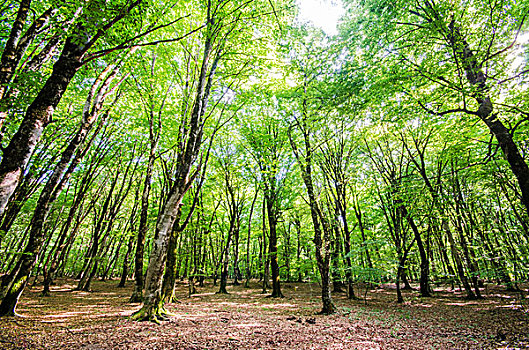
{"x":170,"y":273}
{"x":153,"y":305}
{"x":39,"y":114}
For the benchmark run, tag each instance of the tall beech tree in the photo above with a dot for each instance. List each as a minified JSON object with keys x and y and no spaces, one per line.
{"x":223,"y":24}
{"x":306,"y":116}
{"x":267,"y":145}
{"x":153,"y":110}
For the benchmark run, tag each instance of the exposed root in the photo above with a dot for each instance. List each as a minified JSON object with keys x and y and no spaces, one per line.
{"x":152,"y":314}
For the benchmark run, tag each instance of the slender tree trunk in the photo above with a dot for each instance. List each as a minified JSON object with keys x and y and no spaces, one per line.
{"x":425,"y":263}
{"x":321,"y":227}
{"x":248,"y":261}
{"x":264,"y":252}
{"x":137,"y":295}
{"x":272,"y":248}
{"x":400,"y":271}
{"x":225,"y":261}
{"x":236,"y":272}
{"x":125,"y":266}
{"x":297,"y":223}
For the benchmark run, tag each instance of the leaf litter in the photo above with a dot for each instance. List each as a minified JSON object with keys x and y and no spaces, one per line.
{"x":246,"y":319}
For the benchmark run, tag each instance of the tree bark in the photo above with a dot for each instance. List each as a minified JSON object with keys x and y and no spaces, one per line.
{"x":425,"y":262}
{"x":8,"y":62}
{"x":248,"y":261}
{"x":20,"y":148}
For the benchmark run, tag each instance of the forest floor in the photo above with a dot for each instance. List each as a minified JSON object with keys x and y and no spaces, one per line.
{"x":246,"y":319}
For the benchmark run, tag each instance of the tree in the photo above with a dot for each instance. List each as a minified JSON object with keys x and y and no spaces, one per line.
{"x":267,"y":146}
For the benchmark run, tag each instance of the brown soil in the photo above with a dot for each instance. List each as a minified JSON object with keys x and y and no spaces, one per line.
{"x":246,"y":319}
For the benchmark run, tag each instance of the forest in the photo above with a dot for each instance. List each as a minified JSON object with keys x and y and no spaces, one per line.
{"x":239,"y":178}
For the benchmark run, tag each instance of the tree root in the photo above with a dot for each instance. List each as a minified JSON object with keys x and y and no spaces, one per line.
{"x":152,"y":314}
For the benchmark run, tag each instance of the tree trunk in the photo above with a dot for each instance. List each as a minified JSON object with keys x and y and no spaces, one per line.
{"x":137,"y":295}
{"x":153,"y":306}
{"x":248,"y":261}
{"x":16,"y":155}
{"x":321,"y":227}
{"x":425,"y":263}
{"x":170,"y":273}
{"x":236,"y":272}
{"x":272,"y":248}
{"x":125,"y":266}
{"x":476,"y":77}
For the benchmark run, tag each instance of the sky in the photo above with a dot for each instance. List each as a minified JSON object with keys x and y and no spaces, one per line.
{"x":323,"y":13}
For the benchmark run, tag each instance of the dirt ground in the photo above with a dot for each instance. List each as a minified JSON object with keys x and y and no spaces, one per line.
{"x":246,"y":319}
